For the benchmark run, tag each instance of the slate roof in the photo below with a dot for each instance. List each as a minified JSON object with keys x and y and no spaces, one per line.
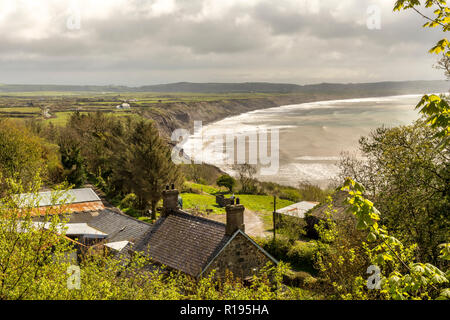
{"x":119,"y":226}
{"x":183,"y":242}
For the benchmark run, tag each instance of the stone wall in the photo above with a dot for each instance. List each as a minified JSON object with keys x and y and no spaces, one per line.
{"x":222,"y":201}
{"x":241,"y":257}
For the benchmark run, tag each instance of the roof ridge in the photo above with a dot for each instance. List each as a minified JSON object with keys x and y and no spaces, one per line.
{"x":181,"y":212}
{"x":118,"y":211}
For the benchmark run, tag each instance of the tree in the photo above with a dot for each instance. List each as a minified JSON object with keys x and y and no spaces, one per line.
{"x":142,"y":163}
{"x":435,"y":108}
{"x":34,"y":264}
{"x":21,"y":153}
{"x":246,"y":173}
{"x":226,"y":181}
{"x":409,"y":182}
{"x":73,"y":163}
{"x":444,"y":64}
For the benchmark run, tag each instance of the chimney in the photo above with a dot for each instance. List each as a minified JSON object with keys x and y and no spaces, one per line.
{"x":235,"y":218}
{"x":170,"y":201}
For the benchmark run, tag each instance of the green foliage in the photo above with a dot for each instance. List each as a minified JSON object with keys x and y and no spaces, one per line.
{"x":407,"y":279}
{"x":34,"y":261}
{"x":73,"y":164}
{"x":440,"y":18}
{"x":226,"y":181}
{"x":291,"y":227}
{"x":299,"y":254}
{"x":246,"y":175}
{"x":436,"y":109}
{"x":201,"y":173}
{"x":407,"y":178}
{"x":192,"y":187}
{"x":22,"y":154}
{"x":120,"y":155}
{"x":142,"y":163}
{"x":201,"y":202}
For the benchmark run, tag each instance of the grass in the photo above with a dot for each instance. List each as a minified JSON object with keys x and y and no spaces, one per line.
{"x":62,"y":117}
{"x":201,"y":188}
{"x":21,"y":109}
{"x":261,"y":203}
{"x":201,"y":202}
{"x":202,"y":197}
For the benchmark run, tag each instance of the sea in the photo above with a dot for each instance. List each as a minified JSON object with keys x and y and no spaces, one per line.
{"x":303,"y":142}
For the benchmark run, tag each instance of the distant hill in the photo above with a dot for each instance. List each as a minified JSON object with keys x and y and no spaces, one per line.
{"x":376,"y":88}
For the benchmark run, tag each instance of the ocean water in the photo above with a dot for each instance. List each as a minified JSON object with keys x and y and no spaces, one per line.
{"x":311,"y":135}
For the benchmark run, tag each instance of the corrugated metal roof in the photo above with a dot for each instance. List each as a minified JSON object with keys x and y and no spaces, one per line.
{"x":118,"y":246}
{"x":49,"y":198}
{"x":298,"y":209}
{"x":82,"y":229}
{"x":73,"y":229}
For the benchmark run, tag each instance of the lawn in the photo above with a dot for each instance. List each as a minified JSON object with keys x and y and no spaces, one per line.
{"x":201,"y":202}
{"x":206,"y":200}
{"x":201,"y":188}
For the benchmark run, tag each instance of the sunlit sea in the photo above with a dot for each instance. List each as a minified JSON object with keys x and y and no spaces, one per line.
{"x":311,"y":135}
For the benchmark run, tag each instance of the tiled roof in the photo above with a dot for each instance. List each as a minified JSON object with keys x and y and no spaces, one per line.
{"x":183,"y":242}
{"x":119,"y":226}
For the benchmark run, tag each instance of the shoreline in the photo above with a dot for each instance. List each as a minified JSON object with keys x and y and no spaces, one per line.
{"x":316,"y":181}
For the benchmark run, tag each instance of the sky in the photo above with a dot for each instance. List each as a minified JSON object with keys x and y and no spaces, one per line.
{"x":144,"y":42}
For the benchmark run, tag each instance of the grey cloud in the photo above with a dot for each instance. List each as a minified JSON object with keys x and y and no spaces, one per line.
{"x":276,"y":44}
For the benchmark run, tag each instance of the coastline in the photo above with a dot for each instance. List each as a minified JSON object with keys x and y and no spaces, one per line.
{"x":181,"y":115}
{"x":305,"y":160}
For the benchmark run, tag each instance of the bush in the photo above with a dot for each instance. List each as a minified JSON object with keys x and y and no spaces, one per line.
{"x":302,"y":253}
{"x":299,"y":254}
{"x":130,"y":201}
{"x":226,"y":181}
{"x":290,"y":194}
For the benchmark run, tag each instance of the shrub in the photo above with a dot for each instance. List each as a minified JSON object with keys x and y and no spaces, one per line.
{"x":226,"y":181}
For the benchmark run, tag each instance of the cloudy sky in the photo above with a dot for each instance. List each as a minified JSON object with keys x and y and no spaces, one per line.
{"x":138,"y":42}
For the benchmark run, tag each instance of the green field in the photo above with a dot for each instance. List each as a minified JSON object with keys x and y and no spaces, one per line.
{"x":26,"y":105}
{"x":259,"y":203}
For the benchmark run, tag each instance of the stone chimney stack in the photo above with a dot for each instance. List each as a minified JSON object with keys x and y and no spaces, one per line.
{"x":170,"y":200}
{"x":235,"y":218}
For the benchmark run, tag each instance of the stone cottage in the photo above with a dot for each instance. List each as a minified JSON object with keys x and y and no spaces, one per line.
{"x":178,"y":240}
{"x":196,"y":246}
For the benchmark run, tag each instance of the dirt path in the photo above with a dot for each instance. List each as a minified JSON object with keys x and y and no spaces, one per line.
{"x":254,"y":225}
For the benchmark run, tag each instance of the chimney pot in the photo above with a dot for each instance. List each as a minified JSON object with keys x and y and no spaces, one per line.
{"x":170,"y":201}
{"x":235,"y":218}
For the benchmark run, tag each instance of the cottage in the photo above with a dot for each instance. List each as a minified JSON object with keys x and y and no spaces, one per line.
{"x":89,"y":221}
{"x":178,"y":240}
{"x":123,"y":106}
{"x":196,"y":246}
